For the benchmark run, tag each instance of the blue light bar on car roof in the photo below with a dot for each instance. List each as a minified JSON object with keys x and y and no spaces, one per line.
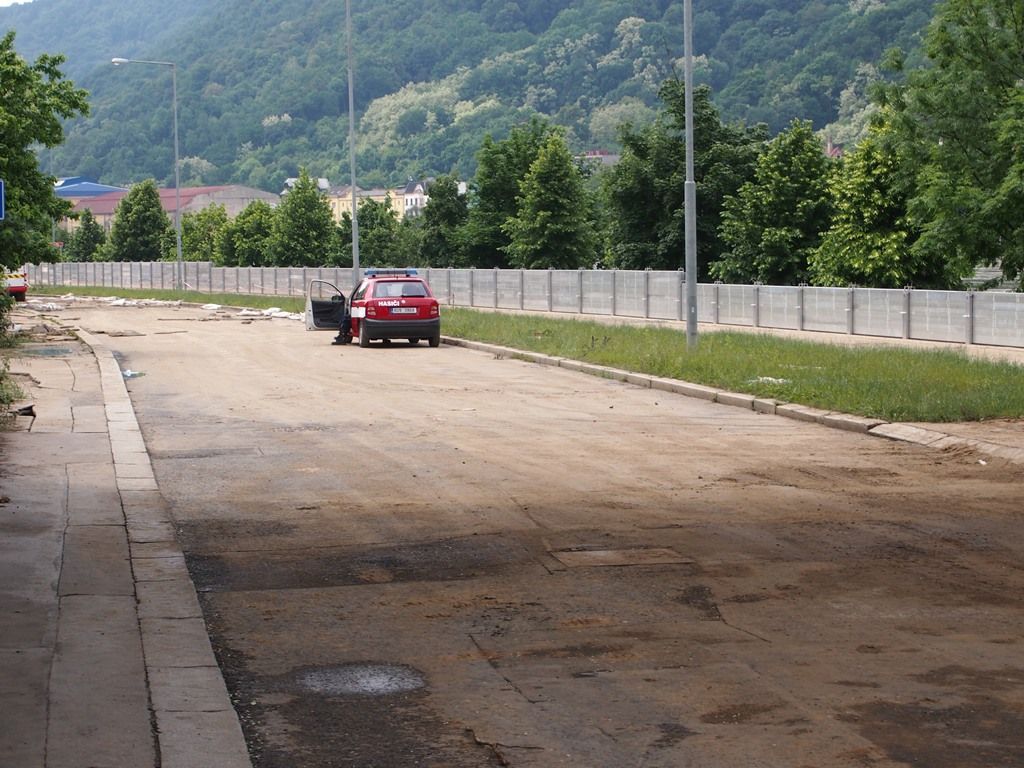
{"x":377,"y":272}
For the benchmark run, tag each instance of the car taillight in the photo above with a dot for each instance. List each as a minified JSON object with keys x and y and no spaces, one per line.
{"x":371,"y":310}
{"x":435,"y":310}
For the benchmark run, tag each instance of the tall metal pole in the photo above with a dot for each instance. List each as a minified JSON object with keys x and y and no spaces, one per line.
{"x":177,"y":182}
{"x":179,"y":281}
{"x":352,"y":146}
{"x":690,"y":188}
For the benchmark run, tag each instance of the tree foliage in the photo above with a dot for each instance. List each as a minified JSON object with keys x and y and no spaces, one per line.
{"x":87,"y":240}
{"x":266,"y":93}
{"x":775,"y":221}
{"x":141,"y":230}
{"x":502,"y":165}
{"x":34,"y":99}
{"x":201,"y":233}
{"x":959,"y":122}
{"x":443,"y":217}
{"x":303,"y":233}
{"x":552,"y":227}
{"x":245,"y":240}
{"x":645,"y":190}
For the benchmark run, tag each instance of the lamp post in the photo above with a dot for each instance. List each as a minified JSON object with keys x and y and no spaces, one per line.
{"x":117,"y":62}
{"x":690,"y":188}
{"x":352,"y":146}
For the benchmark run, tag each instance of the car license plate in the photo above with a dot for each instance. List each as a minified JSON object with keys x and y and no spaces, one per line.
{"x":403,"y":310}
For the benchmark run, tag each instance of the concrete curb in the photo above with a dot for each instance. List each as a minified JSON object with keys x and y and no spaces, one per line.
{"x":906,"y":433}
{"x":197,"y":727}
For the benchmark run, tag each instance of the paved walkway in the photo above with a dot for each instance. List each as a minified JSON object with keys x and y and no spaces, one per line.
{"x":104,"y":657}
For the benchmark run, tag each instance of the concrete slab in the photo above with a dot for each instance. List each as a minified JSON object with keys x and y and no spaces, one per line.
{"x":96,"y":562}
{"x":684,"y":388}
{"x":766,"y":405}
{"x":143,"y":531}
{"x":177,"y":643}
{"x":737,"y":399}
{"x":908,"y":433}
{"x":129,"y":484}
{"x":172,"y":599}
{"x":851,"y":423}
{"x":801,"y":412}
{"x":24,"y":675}
{"x":201,"y":740}
{"x":92,"y":495}
{"x":188,"y":689}
{"x":99,"y":703}
{"x":160,"y":568}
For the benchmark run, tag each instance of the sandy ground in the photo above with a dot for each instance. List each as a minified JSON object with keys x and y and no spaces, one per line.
{"x":432,"y":557}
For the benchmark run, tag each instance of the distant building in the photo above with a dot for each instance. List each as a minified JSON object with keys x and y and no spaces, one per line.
{"x":415,"y":197}
{"x":598,"y":157}
{"x":321,"y":183}
{"x":234,"y":198}
{"x":75,"y":188}
{"x":340,"y":200}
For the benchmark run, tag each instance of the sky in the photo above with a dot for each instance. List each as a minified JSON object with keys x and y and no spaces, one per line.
{"x":13,"y":2}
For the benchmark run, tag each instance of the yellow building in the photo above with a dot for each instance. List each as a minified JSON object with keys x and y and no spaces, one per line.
{"x":340,"y":200}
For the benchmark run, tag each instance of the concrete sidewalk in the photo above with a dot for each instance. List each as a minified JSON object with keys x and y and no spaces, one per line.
{"x":105,"y":660}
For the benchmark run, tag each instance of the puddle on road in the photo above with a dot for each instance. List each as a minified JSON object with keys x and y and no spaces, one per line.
{"x":362,"y":679}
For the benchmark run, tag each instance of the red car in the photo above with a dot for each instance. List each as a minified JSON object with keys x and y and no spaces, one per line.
{"x":388,"y":304}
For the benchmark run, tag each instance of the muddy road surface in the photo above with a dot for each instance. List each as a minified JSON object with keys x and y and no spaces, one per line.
{"x":436,"y":557}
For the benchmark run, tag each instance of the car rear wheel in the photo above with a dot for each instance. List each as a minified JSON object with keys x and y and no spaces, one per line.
{"x":364,"y":336}
{"x":435,"y":341}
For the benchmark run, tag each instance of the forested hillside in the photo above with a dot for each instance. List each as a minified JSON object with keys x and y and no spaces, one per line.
{"x":262,"y":86}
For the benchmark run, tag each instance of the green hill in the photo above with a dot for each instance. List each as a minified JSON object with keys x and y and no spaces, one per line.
{"x":263,"y":86}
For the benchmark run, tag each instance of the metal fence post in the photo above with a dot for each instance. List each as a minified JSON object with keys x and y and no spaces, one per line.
{"x":906,"y":313}
{"x":522,"y":289}
{"x":495,"y":276}
{"x":647,"y":292}
{"x":579,"y":290}
{"x":681,"y":297}
{"x":800,"y":308}
{"x":551,"y":290}
{"x":717,"y":302}
{"x":969,"y":318}
{"x":849,"y":309}
{"x":756,"y":307}
{"x":472,"y":286}
{"x":615,"y":291}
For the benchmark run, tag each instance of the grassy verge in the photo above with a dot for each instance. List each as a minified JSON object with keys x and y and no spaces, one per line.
{"x":881,"y":382}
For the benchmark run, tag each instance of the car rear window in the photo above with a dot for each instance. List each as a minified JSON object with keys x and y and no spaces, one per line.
{"x":399,"y":288}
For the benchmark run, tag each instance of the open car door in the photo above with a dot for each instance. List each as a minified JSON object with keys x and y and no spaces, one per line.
{"x":325,"y":306}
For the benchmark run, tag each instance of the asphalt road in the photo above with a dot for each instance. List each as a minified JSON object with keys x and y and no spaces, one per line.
{"x":433,"y":557}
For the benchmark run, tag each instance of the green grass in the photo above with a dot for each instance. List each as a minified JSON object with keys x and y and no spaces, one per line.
{"x":884,"y":382}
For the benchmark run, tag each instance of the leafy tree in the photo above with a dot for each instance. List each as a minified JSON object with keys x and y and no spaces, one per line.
{"x":502,"y":167}
{"x":34,"y":98}
{"x":303,"y":232}
{"x":959,"y":123}
{"x":552,"y":228}
{"x":141,"y":229}
{"x":86,"y":241}
{"x":868,"y":242}
{"x":644,"y":192}
{"x":245,"y":240}
{"x":446,"y":211}
{"x":378,"y":233}
{"x":201,"y":233}
{"x":774,"y":223}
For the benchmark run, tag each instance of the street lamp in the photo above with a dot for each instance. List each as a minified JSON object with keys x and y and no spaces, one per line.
{"x":690,"y":187}
{"x":352,"y":146}
{"x":117,"y":62}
